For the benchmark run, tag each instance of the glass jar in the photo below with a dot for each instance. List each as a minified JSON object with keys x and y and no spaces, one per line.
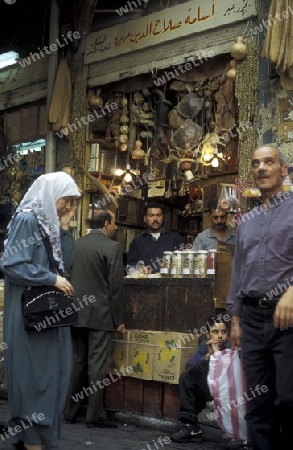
{"x":188,"y":263}
{"x":176,"y":266}
{"x":166,"y":264}
{"x":200,"y":264}
{"x":211,"y":262}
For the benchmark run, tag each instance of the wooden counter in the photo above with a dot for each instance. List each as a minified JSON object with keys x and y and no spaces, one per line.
{"x":159,"y":304}
{"x":168,"y":304}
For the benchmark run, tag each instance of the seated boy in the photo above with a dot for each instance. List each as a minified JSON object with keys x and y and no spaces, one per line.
{"x":193,"y":387}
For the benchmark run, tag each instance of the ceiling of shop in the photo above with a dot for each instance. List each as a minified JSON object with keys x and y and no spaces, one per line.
{"x":24,"y":26}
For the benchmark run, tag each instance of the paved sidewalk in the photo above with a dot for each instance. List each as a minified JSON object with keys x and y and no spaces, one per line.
{"x":128,"y":436}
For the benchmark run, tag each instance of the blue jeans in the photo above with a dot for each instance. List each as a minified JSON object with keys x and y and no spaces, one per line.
{"x":267,"y":356}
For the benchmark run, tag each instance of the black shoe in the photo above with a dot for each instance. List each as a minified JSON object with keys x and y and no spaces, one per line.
{"x":102,"y":424}
{"x":189,"y":433}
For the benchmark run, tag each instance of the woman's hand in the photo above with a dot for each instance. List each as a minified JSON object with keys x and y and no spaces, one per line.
{"x":68,"y":215}
{"x":64,"y":285}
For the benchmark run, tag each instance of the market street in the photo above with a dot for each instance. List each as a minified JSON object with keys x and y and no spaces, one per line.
{"x":127,"y":437}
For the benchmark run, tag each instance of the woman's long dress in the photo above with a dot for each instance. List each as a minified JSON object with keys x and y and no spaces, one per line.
{"x":37,"y":363}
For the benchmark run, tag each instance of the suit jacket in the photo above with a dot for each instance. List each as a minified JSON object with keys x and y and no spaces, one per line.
{"x":97,"y":278}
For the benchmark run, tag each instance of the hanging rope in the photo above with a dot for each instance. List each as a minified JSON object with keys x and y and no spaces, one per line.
{"x":246,"y":91}
{"x":77,"y":137}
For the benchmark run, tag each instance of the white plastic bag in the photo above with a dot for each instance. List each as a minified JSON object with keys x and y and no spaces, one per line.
{"x":227,"y":386}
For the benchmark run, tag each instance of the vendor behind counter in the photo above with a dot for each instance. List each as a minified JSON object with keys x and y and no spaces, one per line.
{"x":150,"y":246}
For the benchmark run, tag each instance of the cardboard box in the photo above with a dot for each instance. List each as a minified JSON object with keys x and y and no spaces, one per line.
{"x":119,"y":354}
{"x":141,"y":354}
{"x":172,"y":351}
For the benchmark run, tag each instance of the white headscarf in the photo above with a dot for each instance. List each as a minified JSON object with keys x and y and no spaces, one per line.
{"x":41,"y":199}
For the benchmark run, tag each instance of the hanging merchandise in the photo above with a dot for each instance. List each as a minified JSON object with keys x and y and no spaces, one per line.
{"x":138,"y":152}
{"x":228,"y":200}
{"x":239,"y":49}
{"x":187,"y":136}
{"x":96,"y":101}
{"x":277,"y":46}
{"x":231,"y":72}
{"x":59,"y":111}
{"x":224,"y":203}
{"x":190,"y":106}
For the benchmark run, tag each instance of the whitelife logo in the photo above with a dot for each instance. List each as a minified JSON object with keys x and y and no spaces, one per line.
{"x":48,"y":50}
{"x":124,"y":9}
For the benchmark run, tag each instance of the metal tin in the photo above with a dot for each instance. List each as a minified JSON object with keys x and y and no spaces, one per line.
{"x":166,"y":264}
{"x":200,"y":264}
{"x":211,"y":263}
{"x":188,"y":258}
{"x":176,"y":266}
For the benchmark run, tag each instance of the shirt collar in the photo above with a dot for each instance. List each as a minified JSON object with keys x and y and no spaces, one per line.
{"x":99,"y":230}
{"x":275,"y":200}
{"x":146,"y":232}
{"x":214,"y":235}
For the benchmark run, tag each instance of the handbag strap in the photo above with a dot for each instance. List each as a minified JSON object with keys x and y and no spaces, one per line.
{"x":49,"y":250}
{"x":48,"y":246}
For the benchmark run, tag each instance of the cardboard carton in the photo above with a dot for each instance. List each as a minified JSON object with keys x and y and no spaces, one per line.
{"x":141,"y":354}
{"x":119,"y":354}
{"x":172,"y":351}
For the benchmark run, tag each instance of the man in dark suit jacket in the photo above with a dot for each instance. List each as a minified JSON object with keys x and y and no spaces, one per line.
{"x":97,"y":277}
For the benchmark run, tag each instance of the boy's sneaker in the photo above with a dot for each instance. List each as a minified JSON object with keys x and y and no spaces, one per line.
{"x":189,"y":433}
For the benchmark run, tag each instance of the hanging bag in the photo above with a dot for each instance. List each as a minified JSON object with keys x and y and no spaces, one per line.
{"x":46,"y":307}
{"x":227,"y":386}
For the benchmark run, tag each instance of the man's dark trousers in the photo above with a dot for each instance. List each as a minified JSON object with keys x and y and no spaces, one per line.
{"x":267,"y":354}
{"x":194,"y":392}
{"x":90,"y":355}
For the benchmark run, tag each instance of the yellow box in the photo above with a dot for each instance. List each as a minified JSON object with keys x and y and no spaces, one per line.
{"x":143,"y":337}
{"x":119,"y":354}
{"x":141,"y":354}
{"x":175,"y":339}
{"x":172,"y":351}
{"x":141,"y":359}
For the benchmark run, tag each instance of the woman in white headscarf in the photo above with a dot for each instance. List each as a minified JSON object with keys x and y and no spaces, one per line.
{"x":37,"y":364}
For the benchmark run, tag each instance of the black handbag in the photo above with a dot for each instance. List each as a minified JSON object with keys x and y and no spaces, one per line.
{"x":46,"y":307}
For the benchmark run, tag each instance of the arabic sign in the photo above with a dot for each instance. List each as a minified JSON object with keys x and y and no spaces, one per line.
{"x":178,"y":21}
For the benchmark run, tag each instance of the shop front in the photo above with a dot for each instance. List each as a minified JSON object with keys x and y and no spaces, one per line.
{"x":172,"y":136}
